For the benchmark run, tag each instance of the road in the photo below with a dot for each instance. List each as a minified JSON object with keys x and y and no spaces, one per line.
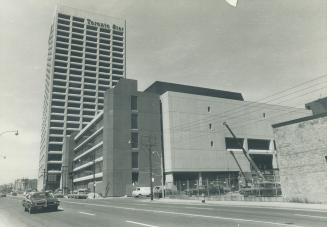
{"x":136,"y":213}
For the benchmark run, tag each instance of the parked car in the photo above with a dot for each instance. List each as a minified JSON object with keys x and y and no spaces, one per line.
{"x":93,"y":196}
{"x":40,"y":201}
{"x":141,"y":191}
{"x":13,"y":193}
{"x":79,"y":194}
{"x":58,"y":195}
{"x":3,"y":194}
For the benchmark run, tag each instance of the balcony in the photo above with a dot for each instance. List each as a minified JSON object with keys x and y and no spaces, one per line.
{"x":88,"y":177}
{"x":86,"y":164}
{"x":54,"y":162}
{"x":88,"y":139}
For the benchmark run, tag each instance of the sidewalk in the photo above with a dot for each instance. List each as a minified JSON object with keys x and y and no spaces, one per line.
{"x":273,"y":205}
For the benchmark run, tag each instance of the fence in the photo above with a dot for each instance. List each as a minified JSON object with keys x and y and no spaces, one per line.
{"x":234,"y":188}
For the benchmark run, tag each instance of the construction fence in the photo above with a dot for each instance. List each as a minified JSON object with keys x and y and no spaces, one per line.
{"x":227,"y":187}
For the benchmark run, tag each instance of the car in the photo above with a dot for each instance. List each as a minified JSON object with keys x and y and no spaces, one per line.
{"x":141,"y":191}
{"x":3,"y":195}
{"x":40,"y":201}
{"x":52,"y":201}
{"x":94,"y":196}
{"x":58,"y":195}
{"x":14,"y":193}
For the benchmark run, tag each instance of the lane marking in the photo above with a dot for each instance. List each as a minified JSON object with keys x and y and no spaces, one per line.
{"x":312,"y":216}
{"x":200,"y":208}
{"x":139,"y":223}
{"x":185,"y":214}
{"x":86,"y":213}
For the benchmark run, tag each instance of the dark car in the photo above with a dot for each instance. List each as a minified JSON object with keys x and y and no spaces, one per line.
{"x":40,"y":201}
{"x":52,"y":201}
{"x":3,"y":194}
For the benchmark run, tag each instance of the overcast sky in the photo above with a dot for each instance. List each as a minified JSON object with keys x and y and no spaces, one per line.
{"x":258,"y":48}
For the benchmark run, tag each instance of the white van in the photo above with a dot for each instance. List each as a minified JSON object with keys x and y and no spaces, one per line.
{"x":141,"y":191}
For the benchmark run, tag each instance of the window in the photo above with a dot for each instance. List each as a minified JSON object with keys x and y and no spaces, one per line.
{"x":210,"y":126}
{"x":134,"y":121}
{"x":135,"y":160}
{"x":326,"y":158}
{"x":211,"y":143}
{"x":134,"y":140}
{"x":134,"y":102}
{"x":209,"y":109}
{"x":232,"y":143}
{"x":258,"y":144}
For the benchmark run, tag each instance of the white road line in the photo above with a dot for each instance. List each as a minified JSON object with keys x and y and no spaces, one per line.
{"x":185,"y":214}
{"x":86,"y":213}
{"x":200,"y":208}
{"x":312,"y":216}
{"x":139,"y":223}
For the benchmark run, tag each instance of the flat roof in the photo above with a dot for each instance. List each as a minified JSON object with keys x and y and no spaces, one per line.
{"x":160,"y":87}
{"x":298,"y":120}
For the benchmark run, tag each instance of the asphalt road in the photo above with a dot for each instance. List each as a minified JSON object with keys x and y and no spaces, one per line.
{"x":136,"y":212}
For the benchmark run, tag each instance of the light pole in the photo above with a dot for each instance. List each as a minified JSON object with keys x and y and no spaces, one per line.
{"x":94,"y":175}
{"x":8,"y":131}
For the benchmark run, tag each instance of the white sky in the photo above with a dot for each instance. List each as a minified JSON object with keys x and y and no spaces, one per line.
{"x":258,"y":48}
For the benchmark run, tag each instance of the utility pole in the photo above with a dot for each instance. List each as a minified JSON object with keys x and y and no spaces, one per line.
{"x":150,"y":145}
{"x":44,"y":180}
{"x":94,"y":175}
{"x":150,"y":166}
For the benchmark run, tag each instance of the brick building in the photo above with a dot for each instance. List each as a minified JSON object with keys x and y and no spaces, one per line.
{"x":302,"y":157}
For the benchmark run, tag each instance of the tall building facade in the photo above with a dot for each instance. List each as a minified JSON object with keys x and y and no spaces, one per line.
{"x":113,"y":150}
{"x":86,"y":56}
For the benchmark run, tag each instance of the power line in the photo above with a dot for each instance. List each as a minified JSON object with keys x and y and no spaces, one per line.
{"x":257,"y":102}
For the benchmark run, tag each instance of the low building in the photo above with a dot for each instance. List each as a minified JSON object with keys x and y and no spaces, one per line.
{"x":181,"y":127}
{"x":302,"y":157}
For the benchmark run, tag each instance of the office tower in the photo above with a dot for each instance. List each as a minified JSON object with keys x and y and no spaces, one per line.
{"x":86,"y":56}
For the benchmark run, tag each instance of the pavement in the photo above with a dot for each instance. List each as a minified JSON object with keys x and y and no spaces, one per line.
{"x":159,"y":213}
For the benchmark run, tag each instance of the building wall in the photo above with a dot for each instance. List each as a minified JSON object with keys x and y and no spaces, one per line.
{"x":302,"y":157}
{"x":187,"y":136}
{"x":117,"y":167}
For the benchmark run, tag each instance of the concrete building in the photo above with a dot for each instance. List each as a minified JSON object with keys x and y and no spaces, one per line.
{"x":86,"y":56}
{"x":196,"y":144}
{"x":113,"y":149}
{"x":186,"y":123}
{"x":302,"y":157}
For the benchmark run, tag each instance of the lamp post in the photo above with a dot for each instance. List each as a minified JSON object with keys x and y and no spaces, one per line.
{"x":8,"y":131}
{"x":94,"y":175}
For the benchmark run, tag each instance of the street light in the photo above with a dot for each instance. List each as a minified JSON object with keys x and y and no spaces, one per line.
{"x":8,"y":131}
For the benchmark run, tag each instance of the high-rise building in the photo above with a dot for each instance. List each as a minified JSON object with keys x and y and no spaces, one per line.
{"x":86,"y":56}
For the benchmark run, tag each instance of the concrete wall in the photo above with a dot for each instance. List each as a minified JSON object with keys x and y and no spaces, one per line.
{"x":117,"y":154}
{"x":187,"y":137}
{"x":302,"y":152}
{"x":67,"y":160}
